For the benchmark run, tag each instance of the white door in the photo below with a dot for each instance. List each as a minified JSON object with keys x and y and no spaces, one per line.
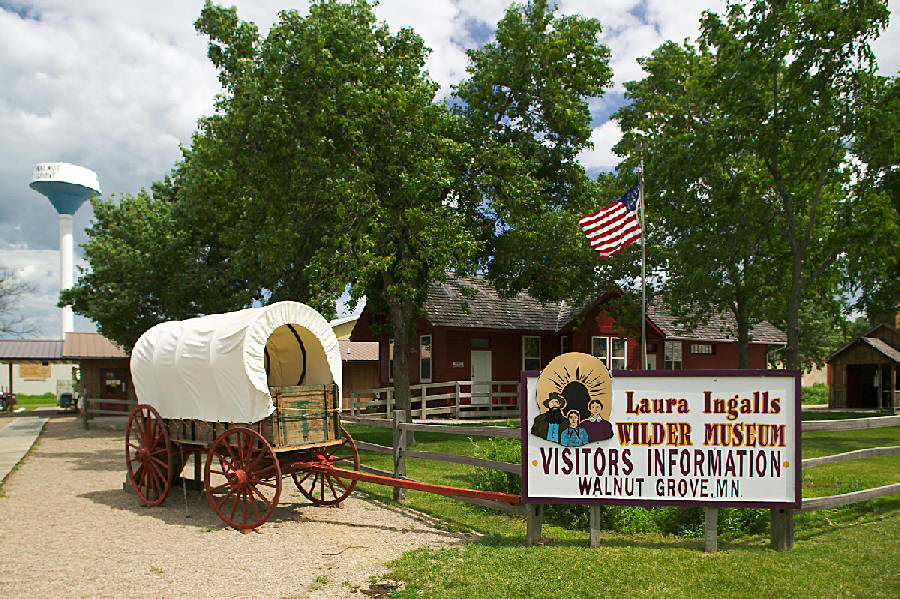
{"x":481,"y":377}
{"x":651,"y":361}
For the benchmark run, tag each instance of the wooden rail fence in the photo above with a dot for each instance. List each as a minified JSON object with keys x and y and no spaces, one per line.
{"x":93,"y":407}
{"x":458,"y":399}
{"x":781,"y":521}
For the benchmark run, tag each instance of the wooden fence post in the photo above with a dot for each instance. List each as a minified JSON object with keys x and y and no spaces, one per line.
{"x":535,"y":519}
{"x":456,"y":400}
{"x":389,"y":406}
{"x":424,"y":393}
{"x":399,"y":451}
{"x":711,"y":529}
{"x":595,"y":525}
{"x":781,"y":529}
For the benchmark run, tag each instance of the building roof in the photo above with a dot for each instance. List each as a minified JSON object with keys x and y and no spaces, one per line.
{"x":719,"y":327}
{"x":358,"y":351}
{"x":883,"y":348}
{"x":91,"y":346}
{"x":471,"y":302}
{"x":30,"y":349}
{"x":874,"y":342}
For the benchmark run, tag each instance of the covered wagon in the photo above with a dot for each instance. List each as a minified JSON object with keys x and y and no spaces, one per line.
{"x":257,"y":392}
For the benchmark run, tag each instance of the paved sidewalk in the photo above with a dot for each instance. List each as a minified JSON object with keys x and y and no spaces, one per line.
{"x":16,"y":438}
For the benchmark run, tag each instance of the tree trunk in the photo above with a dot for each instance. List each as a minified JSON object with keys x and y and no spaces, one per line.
{"x":402,"y":325}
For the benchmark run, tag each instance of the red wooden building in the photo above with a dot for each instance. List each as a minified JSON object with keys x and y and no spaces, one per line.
{"x":470,"y":333}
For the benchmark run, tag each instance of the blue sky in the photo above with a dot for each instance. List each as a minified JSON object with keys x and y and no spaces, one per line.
{"x":117,"y":87}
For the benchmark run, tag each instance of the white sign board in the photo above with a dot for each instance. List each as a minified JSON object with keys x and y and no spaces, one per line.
{"x":726,"y":438}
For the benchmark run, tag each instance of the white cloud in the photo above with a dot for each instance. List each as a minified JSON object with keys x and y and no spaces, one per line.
{"x":601,"y":156}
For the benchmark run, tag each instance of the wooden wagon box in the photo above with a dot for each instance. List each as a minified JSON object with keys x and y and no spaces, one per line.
{"x":304,"y":416}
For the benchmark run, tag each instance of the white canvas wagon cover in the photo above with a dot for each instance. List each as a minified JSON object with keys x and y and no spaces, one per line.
{"x":219,"y":367}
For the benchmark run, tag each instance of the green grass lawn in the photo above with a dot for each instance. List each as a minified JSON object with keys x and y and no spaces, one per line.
{"x":30,"y":402}
{"x":838,"y":552}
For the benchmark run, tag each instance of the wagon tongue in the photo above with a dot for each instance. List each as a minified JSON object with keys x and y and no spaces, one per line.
{"x":407,"y":484}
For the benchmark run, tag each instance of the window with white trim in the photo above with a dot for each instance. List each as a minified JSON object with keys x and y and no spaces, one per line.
{"x":617,"y":353}
{"x":612,"y":350}
{"x":600,"y":349}
{"x":531,"y":353}
{"x":425,"y":359}
{"x":672,"y":355}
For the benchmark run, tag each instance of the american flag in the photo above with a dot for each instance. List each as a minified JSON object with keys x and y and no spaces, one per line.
{"x":612,"y":228}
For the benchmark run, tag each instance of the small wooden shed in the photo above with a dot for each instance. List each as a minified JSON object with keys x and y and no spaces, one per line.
{"x":865,"y":373}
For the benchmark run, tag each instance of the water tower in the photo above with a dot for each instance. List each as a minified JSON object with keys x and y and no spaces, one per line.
{"x":67,"y":186}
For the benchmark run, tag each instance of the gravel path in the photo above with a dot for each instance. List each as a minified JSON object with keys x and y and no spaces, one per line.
{"x":67,"y":529}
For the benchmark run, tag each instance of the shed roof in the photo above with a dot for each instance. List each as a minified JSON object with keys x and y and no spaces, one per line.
{"x":358,"y":351}
{"x":879,"y":345}
{"x":883,"y":348}
{"x":30,"y":349}
{"x":91,"y":346}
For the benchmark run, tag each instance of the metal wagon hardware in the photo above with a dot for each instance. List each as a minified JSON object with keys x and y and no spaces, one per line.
{"x":255,"y":395}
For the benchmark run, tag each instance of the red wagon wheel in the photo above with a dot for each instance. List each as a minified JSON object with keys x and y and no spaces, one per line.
{"x":148,"y":455}
{"x":242,"y":478}
{"x":323,"y":488}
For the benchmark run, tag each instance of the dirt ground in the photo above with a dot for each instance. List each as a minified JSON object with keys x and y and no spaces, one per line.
{"x":67,"y":529}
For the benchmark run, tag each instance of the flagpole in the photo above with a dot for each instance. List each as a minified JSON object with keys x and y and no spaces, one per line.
{"x":643,"y":269}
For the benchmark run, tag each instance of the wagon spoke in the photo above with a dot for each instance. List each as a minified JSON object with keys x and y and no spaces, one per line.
{"x":219,"y":488}
{"x":341,"y":482}
{"x":266,"y":472}
{"x":331,"y":486}
{"x":160,"y":462}
{"x":230,"y":453}
{"x":267,"y":484}
{"x":234,"y":507}
{"x":230,"y":493}
{"x":244,"y":500}
{"x":226,"y":468}
{"x":253,"y":503}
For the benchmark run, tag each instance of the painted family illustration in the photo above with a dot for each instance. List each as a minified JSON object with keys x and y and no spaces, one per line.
{"x":577,"y":393}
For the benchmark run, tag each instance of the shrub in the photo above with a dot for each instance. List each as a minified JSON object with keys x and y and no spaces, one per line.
{"x":816,"y":395}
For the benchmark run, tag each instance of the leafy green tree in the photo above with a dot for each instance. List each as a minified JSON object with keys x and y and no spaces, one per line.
{"x":525,"y":106}
{"x":758,"y":118}
{"x":146,"y":267}
{"x":710,"y":233}
{"x":873,"y":273}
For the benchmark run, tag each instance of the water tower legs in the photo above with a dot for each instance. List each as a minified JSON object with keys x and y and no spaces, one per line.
{"x":65,"y":269}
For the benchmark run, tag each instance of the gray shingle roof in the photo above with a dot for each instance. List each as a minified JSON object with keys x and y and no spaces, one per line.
{"x":30,"y":349}
{"x":883,"y":348}
{"x":471,"y":302}
{"x":720,"y":327}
